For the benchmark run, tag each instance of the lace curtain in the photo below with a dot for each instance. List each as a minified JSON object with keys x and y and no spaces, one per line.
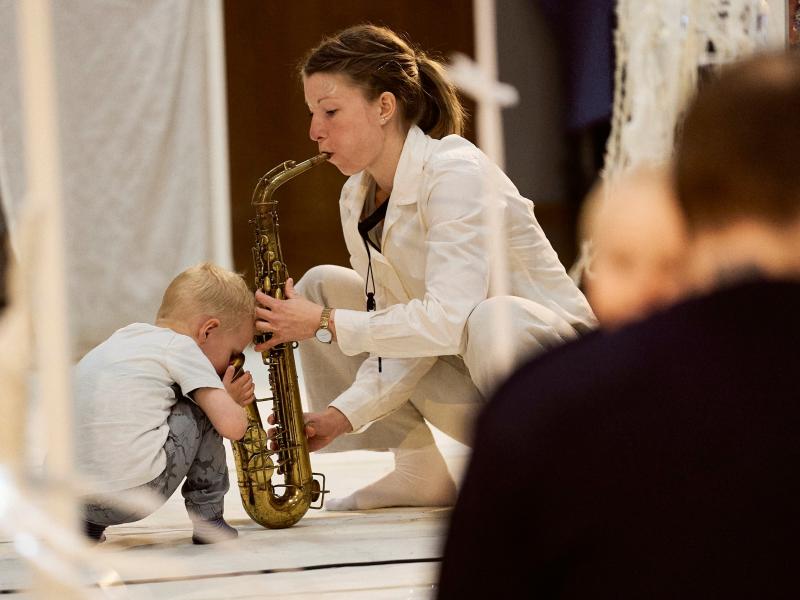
{"x":661,"y":48}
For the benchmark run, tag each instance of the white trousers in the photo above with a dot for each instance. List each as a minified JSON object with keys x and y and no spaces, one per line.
{"x":451,"y":394}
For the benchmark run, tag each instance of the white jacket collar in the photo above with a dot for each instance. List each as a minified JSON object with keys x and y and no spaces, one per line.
{"x":409,"y":167}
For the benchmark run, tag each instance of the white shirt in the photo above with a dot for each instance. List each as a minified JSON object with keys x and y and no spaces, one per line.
{"x":123,"y":396}
{"x":433,"y":268}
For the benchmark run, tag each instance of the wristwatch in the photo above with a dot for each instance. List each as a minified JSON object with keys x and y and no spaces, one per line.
{"x":323,"y":333}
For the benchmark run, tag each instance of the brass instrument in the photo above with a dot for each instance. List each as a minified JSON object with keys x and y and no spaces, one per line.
{"x":270,"y":504}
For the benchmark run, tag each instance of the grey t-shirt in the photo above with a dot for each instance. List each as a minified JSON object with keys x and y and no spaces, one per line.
{"x":123,"y":396}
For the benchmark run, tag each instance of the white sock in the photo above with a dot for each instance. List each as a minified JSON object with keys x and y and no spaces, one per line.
{"x":420,"y":478}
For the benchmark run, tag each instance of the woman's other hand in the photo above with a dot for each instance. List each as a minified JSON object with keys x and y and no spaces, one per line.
{"x":324,"y":427}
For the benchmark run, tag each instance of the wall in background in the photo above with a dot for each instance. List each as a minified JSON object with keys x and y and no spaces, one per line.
{"x":559,"y":55}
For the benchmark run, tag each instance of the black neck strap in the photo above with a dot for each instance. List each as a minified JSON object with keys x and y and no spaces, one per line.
{"x":364,"y":227}
{"x":369,"y":223}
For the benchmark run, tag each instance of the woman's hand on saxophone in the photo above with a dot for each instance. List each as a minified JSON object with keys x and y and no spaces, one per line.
{"x":324,"y":427}
{"x":321,"y":427}
{"x":289,"y":320}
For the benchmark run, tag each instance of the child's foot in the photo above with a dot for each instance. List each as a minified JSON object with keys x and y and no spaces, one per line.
{"x":212,"y":531}
{"x":94,"y":531}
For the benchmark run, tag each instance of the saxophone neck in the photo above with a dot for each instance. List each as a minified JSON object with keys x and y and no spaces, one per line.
{"x":285,"y":171}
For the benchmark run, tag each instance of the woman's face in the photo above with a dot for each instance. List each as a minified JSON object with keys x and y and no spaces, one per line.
{"x":344,"y":122}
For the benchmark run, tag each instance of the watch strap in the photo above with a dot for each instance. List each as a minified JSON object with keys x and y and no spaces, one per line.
{"x":325,"y":317}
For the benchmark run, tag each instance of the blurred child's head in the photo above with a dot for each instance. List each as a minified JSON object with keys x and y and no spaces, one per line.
{"x":215,"y":307}
{"x":638,"y":245}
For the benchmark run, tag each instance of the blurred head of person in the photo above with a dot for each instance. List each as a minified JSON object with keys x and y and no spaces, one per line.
{"x":736,"y":173}
{"x":638,"y":246}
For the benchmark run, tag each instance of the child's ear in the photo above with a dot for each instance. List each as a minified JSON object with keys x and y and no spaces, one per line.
{"x":206,"y":328}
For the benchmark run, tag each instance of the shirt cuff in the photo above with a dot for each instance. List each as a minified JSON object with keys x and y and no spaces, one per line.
{"x":352,"y":331}
{"x":356,"y":406}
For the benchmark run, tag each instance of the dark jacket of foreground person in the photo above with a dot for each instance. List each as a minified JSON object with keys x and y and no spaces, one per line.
{"x":660,"y":461}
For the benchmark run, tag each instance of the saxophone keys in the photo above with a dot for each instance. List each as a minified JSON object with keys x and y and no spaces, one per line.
{"x":260,"y":467}
{"x":255,"y":440}
{"x":317,"y":491}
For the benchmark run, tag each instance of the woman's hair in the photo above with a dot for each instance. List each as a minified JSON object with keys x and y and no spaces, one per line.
{"x":379,"y":60}
{"x":210,"y":290}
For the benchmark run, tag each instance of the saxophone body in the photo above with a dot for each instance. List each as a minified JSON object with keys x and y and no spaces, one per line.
{"x":263,"y":459}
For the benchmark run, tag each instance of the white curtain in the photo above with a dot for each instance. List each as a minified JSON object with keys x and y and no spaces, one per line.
{"x":143,"y":151}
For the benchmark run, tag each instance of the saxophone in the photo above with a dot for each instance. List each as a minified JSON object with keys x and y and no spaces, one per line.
{"x":259,"y":455}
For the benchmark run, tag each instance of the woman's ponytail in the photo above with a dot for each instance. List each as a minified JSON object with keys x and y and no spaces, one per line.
{"x":441,"y":111}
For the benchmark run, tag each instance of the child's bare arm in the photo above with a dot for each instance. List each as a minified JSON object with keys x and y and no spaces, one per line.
{"x":227,"y":417}
{"x":224,"y":407}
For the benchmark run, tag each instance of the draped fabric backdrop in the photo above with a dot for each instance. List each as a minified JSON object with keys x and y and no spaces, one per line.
{"x":143,"y":151}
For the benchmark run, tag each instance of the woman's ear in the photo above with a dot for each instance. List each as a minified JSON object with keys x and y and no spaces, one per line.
{"x":206,"y":327}
{"x":387,"y":105}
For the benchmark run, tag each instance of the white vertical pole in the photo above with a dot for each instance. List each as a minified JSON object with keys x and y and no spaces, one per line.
{"x":489,"y":121}
{"x":15,"y":340}
{"x":490,"y":137}
{"x":46,"y":265}
{"x":218,"y":148}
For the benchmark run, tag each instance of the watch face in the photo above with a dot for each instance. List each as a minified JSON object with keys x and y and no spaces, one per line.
{"x":324,"y":335}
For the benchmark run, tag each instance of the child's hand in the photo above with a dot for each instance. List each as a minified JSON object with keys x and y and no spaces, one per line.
{"x":242,"y":389}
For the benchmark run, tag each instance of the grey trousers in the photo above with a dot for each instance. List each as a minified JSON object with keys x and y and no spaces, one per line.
{"x":451,"y":394}
{"x":195,"y":452}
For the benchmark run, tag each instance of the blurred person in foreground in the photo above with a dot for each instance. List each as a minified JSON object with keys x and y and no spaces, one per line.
{"x":638,"y":246}
{"x":660,"y":460}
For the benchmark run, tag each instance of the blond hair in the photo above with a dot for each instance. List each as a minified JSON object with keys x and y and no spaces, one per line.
{"x":207,"y":289}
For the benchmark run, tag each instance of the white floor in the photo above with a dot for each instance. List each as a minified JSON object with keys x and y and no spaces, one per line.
{"x":379,"y":554}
